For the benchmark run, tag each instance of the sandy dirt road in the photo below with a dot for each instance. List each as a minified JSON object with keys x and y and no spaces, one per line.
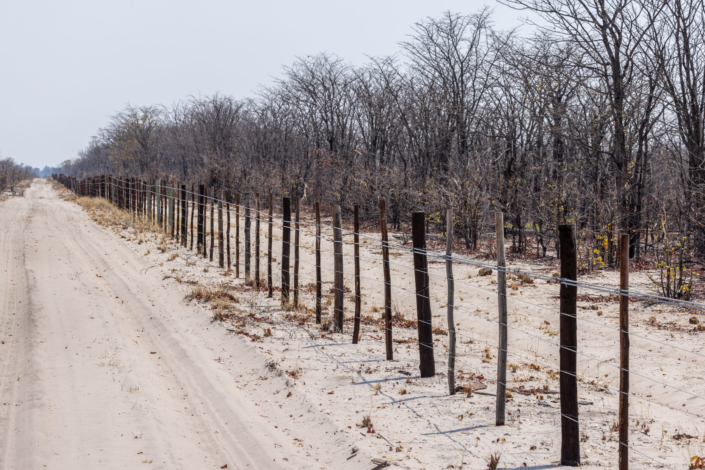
{"x":103,"y":366}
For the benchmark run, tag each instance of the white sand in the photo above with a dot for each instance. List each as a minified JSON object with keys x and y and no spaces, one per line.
{"x":79,"y":335}
{"x":103,"y":366}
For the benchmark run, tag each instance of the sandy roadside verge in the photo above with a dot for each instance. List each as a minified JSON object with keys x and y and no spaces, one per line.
{"x":104,"y":366}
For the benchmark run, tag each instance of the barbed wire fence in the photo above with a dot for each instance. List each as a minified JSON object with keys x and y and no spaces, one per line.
{"x":167,"y":206}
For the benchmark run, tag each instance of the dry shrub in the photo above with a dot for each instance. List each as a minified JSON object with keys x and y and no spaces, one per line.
{"x":210,"y":294}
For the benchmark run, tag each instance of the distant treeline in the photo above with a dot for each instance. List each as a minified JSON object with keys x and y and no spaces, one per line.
{"x":12,"y":173}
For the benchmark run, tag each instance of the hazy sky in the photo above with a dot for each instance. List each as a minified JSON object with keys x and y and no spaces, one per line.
{"x":67,"y":66}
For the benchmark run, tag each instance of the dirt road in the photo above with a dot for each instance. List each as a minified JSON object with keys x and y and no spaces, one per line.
{"x":103,"y":366}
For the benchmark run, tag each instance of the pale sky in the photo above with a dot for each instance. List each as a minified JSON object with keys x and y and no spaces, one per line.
{"x":67,"y":66}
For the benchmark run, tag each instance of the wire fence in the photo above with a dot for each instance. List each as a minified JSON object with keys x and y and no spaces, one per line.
{"x":172,"y":208}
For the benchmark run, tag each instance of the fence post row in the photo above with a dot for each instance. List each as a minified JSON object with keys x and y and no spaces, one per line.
{"x":570,"y":426}
{"x":501,"y":320}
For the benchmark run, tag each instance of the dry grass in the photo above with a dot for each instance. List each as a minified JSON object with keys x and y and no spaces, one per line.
{"x":210,"y":294}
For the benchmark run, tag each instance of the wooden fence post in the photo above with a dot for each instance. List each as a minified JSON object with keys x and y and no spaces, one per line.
{"x":297,"y":227}
{"x":319,"y":286}
{"x":451,"y":301}
{"x":227,"y":235}
{"x":170,"y":213}
{"x":159,"y":203}
{"x":257,"y":239}
{"x":248,"y":239}
{"x":387,"y":281}
{"x":193,"y":211}
{"x":356,"y":242}
{"x":338,"y":267}
{"x":201,"y":220}
{"x":237,"y":234}
{"x":269,"y":248}
{"x":501,"y":320}
{"x":221,"y":241}
{"x":212,"y":193}
{"x":286,"y":239}
{"x":624,"y":353}
{"x":184,"y":216}
{"x":423,"y":301}
{"x":570,"y":429}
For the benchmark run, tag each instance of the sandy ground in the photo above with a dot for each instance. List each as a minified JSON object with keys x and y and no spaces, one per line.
{"x":102,"y":365}
{"x":265,"y":384}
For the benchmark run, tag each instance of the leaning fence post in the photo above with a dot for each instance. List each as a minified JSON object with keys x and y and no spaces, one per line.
{"x":338,"y":267}
{"x":286,"y":239}
{"x":423,"y":300}
{"x":451,"y":301}
{"x":570,"y":430}
{"x":356,"y":242}
{"x":297,"y":227}
{"x":269,"y":249}
{"x":624,"y":353}
{"x":257,"y":209}
{"x":318,"y":263}
{"x":221,"y":242}
{"x":387,"y":281}
{"x":501,"y":320}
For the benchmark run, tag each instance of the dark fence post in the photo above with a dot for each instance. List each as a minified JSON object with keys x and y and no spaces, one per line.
{"x":269,"y":249}
{"x":221,"y":241}
{"x":570,"y":429}
{"x":318,"y":263}
{"x":451,"y":301}
{"x":257,"y":239}
{"x":227,"y":235}
{"x":201,"y":222}
{"x":248,"y":239}
{"x":338,"y":267}
{"x":212,"y":193}
{"x":237,"y":234}
{"x":193,"y":211}
{"x":356,"y":242}
{"x":387,"y":281}
{"x":184,"y":216}
{"x":502,"y":320}
{"x":423,"y":301}
{"x":624,"y":354}
{"x":297,"y":227}
{"x":286,"y":239}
